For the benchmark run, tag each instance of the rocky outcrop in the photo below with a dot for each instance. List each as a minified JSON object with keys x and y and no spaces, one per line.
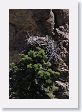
{"x":23,"y":20}
{"x":48,"y":29}
{"x":38,"y":21}
{"x":63,"y":91}
{"x":61,"y":17}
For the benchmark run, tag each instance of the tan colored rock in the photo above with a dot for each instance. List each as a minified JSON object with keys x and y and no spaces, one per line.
{"x":23,"y":20}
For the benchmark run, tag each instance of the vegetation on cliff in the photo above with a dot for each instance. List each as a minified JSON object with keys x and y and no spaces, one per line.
{"x":33,"y":76}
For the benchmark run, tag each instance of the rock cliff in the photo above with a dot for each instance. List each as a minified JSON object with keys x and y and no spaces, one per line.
{"x":47,"y":28}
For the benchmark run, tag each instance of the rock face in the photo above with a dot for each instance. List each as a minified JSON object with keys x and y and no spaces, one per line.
{"x":48,"y":29}
{"x":61,"y":16}
{"x":16,"y":43}
{"x":39,"y":22}
{"x":44,"y":21}
{"x":23,"y":20}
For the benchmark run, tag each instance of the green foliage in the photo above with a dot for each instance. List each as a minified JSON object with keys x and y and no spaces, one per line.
{"x":29,"y":66}
{"x":13,"y":67}
{"x":33,"y":77}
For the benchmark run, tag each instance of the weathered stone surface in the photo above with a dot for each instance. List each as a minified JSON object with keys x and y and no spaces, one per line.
{"x":35,"y":21}
{"x":23,"y":20}
{"x":61,"y":16}
{"x":41,"y":20}
{"x":17,"y":42}
{"x":44,"y":20}
{"x":64,"y":90}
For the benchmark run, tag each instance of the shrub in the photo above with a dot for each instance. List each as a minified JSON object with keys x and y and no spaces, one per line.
{"x":32,"y":77}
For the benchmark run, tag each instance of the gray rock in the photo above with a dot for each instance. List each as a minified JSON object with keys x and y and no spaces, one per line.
{"x":63,"y":89}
